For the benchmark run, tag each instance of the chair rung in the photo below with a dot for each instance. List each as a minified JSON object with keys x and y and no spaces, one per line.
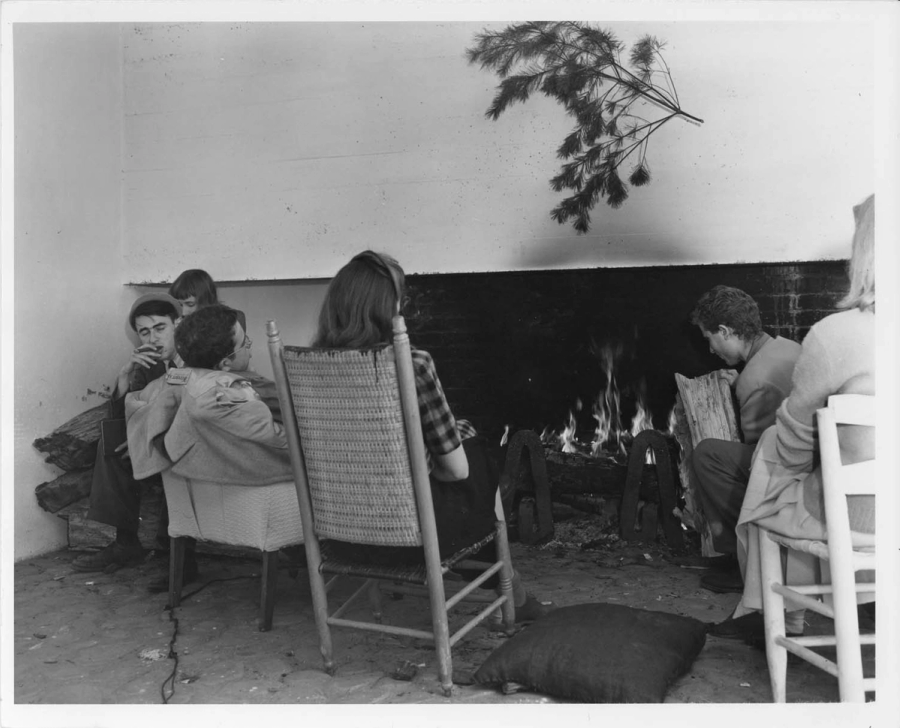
{"x":804,"y":601}
{"x":476,"y":620}
{"x":375,"y":627}
{"x":474,"y":584}
{"x":351,"y":599}
{"x":869,"y":684}
{"x":814,"y":658}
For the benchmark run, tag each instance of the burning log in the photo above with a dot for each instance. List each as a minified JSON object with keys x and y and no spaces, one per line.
{"x":73,"y":445}
{"x":578,"y":474}
{"x":704,"y":408}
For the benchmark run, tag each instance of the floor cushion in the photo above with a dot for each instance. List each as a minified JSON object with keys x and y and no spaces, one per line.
{"x":598,"y":653}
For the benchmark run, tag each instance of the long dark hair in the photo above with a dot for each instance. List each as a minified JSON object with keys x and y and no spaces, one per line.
{"x":360,"y":303}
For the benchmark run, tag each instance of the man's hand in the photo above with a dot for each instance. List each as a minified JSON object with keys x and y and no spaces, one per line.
{"x":729,"y":375}
{"x":144,"y":356}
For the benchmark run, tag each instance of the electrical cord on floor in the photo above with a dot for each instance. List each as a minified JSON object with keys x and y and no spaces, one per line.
{"x":173,"y":655}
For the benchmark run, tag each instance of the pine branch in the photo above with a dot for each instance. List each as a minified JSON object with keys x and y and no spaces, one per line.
{"x":580,"y":67}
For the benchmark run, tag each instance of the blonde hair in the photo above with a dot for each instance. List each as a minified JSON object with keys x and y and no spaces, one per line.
{"x":862,"y":259}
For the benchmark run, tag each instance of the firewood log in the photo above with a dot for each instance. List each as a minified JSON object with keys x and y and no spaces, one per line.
{"x":703,"y":408}
{"x":580,"y":474}
{"x":65,"y":490}
{"x":73,"y":445}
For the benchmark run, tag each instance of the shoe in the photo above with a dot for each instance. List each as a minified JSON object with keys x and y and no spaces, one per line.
{"x":112,"y":558}
{"x":723,"y":582}
{"x":532,"y":609}
{"x":725,"y":562}
{"x":160,"y":585}
{"x":743,"y":628}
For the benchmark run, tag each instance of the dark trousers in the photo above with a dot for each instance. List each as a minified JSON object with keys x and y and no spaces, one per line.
{"x":115,"y":494}
{"x":720,"y":470}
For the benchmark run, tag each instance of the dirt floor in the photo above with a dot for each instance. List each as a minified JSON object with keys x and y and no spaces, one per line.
{"x":101,"y":638}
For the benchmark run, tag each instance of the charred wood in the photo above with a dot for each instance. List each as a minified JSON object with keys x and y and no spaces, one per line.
{"x":73,"y":445}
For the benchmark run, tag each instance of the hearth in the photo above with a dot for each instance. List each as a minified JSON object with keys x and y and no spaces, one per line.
{"x":532,"y":350}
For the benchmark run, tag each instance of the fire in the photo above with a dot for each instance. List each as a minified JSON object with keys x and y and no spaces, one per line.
{"x":567,"y":437}
{"x":610,"y":437}
{"x":606,"y":408}
{"x":673,"y":421}
{"x":505,"y":438}
{"x":642,"y":419}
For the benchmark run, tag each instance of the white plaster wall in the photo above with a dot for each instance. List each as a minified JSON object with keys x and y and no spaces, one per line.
{"x":277,"y":150}
{"x":69,"y":272}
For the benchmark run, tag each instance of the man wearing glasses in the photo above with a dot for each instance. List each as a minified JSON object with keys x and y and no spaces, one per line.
{"x":213,"y":420}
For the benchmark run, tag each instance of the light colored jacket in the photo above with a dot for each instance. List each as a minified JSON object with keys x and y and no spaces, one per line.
{"x":214,"y":427}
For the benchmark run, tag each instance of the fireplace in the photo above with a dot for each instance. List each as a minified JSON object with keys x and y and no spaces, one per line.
{"x":522,"y":349}
{"x":586,"y":359}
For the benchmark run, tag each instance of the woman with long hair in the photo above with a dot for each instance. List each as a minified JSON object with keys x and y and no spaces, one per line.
{"x":361,"y":301}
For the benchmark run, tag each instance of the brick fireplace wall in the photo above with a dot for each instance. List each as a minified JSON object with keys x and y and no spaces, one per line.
{"x":519,"y":348}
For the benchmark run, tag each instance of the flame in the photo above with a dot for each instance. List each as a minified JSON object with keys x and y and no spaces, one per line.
{"x":567,"y":437}
{"x":642,"y":419}
{"x":505,"y":438}
{"x":606,"y":408}
{"x":610,"y":437}
{"x":548,"y":436}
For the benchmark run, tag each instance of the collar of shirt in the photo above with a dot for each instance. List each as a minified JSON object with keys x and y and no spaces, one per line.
{"x":758,"y":344}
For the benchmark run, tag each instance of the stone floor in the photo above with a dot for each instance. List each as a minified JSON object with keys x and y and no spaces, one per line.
{"x":103,"y":639}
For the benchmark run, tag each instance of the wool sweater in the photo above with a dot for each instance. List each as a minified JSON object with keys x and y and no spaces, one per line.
{"x":838,"y":357}
{"x":764,"y":383}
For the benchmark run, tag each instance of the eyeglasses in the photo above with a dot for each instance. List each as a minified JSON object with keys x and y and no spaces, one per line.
{"x":247,"y":343}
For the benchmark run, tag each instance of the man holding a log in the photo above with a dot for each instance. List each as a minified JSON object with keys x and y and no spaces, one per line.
{"x":729,"y":320}
{"x":115,"y":494}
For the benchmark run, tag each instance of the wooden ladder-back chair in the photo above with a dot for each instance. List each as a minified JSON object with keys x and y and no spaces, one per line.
{"x":358,"y":455}
{"x":845,"y":552}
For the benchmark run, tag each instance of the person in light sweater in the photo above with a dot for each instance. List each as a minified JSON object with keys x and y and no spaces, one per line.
{"x":785,"y":489}
{"x":729,"y":320}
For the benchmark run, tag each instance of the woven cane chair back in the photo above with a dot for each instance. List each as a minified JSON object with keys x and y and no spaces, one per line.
{"x":350,"y":419}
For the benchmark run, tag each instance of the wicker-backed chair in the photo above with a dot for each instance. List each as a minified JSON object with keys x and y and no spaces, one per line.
{"x":843,"y":555}
{"x":361,"y":476}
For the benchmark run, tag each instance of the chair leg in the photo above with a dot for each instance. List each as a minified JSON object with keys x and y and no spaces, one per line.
{"x":440,"y":625}
{"x":319,"y":595}
{"x":375,"y":600}
{"x":176,"y":569}
{"x":846,"y":633}
{"x":269,"y":583}
{"x":501,"y":541}
{"x":773,"y":609}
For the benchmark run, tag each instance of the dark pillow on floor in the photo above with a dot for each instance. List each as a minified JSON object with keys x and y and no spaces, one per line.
{"x":598,"y":653}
